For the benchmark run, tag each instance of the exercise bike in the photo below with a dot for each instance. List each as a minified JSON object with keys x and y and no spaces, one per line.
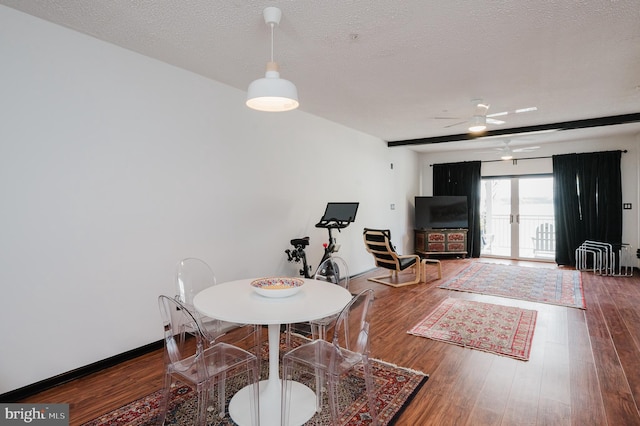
{"x":336,"y":216}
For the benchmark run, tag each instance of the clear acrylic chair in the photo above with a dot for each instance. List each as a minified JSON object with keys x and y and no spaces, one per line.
{"x":191,"y":360}
{"x":331,"y":361}
{"x":333,"y":270}
{"x":194,"y":275}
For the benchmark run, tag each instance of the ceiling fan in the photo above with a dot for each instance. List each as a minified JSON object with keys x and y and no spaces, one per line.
{"x":506,"y":152}
{"x":478,"y":122}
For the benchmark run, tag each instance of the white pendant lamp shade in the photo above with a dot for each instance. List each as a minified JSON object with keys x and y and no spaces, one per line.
{"x":272,"y":93}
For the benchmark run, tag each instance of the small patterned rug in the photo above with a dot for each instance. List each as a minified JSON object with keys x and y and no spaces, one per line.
{"x":395,"y":387}
{"x":544,"y":285}
{"x":502,"y":330}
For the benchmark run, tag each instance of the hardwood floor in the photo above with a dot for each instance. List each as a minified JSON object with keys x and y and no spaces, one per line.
{"x":584,"y":367}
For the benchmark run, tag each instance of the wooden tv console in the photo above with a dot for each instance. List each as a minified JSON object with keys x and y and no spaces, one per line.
{"x":440,"y":241}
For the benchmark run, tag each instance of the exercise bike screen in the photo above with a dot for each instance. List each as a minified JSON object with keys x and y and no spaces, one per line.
{"x":342,"y":212}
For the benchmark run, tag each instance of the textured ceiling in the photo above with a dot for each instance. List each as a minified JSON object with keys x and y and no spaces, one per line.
{"x":393,"y":69}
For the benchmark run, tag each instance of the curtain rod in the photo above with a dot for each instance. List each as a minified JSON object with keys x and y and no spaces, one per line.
{"x":515,"y":160}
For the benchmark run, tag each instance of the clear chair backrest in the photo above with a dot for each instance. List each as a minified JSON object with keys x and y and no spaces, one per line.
{"x":176,"y":318}
{"x":192,"y":276}
{"x":334,"y":270}
{"x":352,"y":326}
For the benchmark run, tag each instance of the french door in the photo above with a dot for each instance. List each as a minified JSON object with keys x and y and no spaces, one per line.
{"x":517,"y":217}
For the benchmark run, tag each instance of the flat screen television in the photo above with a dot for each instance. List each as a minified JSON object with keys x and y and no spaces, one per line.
{"x":441,"y":212}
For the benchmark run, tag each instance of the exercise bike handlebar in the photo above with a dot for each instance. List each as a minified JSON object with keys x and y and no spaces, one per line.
{"x":333,"y":223}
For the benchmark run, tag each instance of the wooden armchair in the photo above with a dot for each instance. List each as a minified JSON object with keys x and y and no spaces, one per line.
{"x":544,"y":243}
{"x":378,"y":243}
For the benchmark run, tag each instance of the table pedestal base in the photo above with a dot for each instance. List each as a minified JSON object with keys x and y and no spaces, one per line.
{"x":303,"y":404}
{"x":303,"y":399}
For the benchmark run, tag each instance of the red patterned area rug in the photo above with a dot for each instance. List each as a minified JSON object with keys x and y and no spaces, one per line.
{"x":502,"y":330}
{"x":544,"y":285}
{"x":395,"y":387}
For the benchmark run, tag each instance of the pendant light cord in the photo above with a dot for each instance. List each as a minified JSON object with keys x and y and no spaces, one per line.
{"x":272,"y":25}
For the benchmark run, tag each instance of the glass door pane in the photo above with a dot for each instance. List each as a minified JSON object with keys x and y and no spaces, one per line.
{"x":536,"y":219}
{"x":495,"y":213}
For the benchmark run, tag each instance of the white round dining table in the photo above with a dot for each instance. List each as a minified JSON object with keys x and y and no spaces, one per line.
{"x":236,"y":301}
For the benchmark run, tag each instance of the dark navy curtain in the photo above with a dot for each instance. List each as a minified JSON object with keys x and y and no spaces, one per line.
{"x":462,"y":179}
{"x":587,"y":199}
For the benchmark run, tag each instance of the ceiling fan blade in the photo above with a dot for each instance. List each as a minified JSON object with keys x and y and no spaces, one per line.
{"x":494,"y":121}
{"x":526,"y":149}
{"x":456,"y":124}
{"x":515,"y":111}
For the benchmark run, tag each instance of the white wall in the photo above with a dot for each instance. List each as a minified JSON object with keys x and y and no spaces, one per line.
{"x":114,"y":166}
{"x":629,"y":167}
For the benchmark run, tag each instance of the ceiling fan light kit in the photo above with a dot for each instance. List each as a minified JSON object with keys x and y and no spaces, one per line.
{"x":272,"y":93}
{"x":478,"y":124}
{"x":506,"y":156}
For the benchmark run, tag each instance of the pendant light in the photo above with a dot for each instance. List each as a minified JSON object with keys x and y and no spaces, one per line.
{"x":272,"y":93}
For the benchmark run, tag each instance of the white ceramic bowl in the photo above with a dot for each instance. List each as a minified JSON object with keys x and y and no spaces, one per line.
{"x":277,"y":286}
